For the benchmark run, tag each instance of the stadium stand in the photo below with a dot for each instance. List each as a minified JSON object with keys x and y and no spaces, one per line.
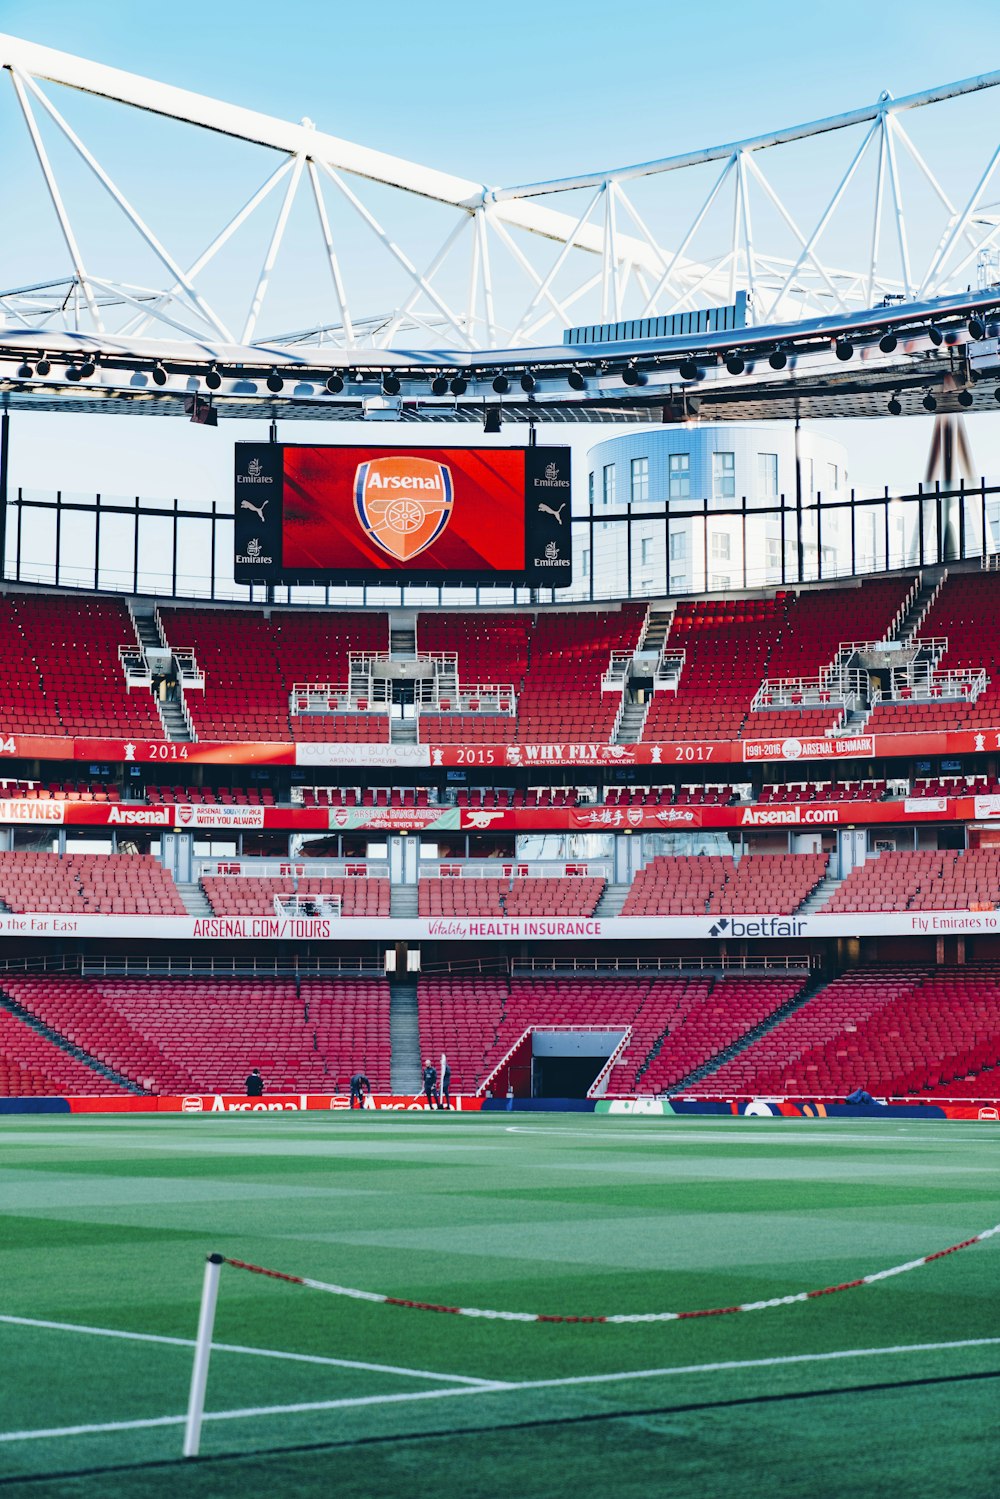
{"x":251,"y":664}
{"x":823,"y":791}
{"x":964,"y":613}
{"x":727,"y":648}
{"x":534,"y":896}
{"x":890,"y":1031}
{"x":252,"y":895}
{"x":466,"y":728}
{"x":192,"y":1035}
{"x":89,"y":884}
{"x":62,"y":670}
{"x":683,"y":1027}
{"x":561,"y":698}
{"x":922,"y":880}
{"x":689,"y":885}
{"x":33,"y":1066}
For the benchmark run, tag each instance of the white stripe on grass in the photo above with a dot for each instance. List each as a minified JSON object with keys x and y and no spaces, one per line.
{"x":298,"y":1358}
{"x":624,"y":1377}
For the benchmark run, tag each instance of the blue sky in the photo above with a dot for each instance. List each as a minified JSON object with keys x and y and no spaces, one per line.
{"x":502,"y":93}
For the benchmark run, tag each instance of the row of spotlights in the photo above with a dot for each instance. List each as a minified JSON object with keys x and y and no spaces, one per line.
{"x":929,"y":402}
{"x":458,"y":385}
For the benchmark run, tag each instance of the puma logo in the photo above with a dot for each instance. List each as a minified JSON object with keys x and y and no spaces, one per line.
{"x":542,"y":510}
{"x":258,"y":510}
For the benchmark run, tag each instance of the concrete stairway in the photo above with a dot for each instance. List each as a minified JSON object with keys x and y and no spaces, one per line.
{"x":195,"y":900}
{"x":402,"y":731}
{"x":914,"y":616}
{"x":611,"y":902}
{"x":819,"y":897}
{"x":404,"y":1035}
{"x":656,"y":633}
{"x":403,"y":902}
{"x":174,"y":723}
{"x":403,"y":644}
{"x":632,"y":719}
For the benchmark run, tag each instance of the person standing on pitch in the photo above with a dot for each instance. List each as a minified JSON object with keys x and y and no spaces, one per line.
{"x":446,"y":1087}
{"x":430,"y":1078}
{"x":359,"y":1087}
{"x":255,"y":1084}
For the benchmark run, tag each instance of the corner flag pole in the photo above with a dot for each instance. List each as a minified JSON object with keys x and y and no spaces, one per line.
{"x":202,"y":1353}
{"x":444,"y":1063}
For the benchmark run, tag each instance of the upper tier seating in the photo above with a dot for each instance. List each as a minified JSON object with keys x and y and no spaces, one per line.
{"x":731,"y":647}
{"x":924,"y":880}
{"x":88,"y":884}
{"x":250,"y":895}
{"x":492,"y":647}
{"x":62,"y":673}
{"x":561,"y":699}
{"x":532,"y":896}
{"x":700,"y":884}
{"x":727,"y":649}
{"x":184,"y":1035}
{"x":251,"y":663}
{"x":895,"y":1032}
{"x":966,"y":613}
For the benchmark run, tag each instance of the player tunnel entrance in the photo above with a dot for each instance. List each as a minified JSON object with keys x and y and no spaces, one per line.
{"x":555,"y":1062}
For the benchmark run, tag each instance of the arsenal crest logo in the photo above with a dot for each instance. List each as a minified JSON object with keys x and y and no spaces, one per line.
{"x":403,"y":503}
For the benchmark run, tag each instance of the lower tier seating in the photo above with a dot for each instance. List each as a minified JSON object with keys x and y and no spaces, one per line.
{"x":892,"y":1031}
{"x":192,"y":1035}
{"x":32,"y":1065}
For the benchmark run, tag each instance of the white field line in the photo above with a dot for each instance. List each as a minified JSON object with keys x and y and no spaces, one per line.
{"x":298,"y":1358}
{"x":626,"y":1376}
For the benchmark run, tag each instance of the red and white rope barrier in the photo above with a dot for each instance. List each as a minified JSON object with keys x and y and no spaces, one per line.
{"x":716,"y":1311}
{"x":215,"y":1262}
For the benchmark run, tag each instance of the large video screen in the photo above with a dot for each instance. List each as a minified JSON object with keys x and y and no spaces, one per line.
{"x":310,"y":514}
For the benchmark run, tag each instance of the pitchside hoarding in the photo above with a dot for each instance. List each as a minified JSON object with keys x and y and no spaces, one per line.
{"x":308,"y":514}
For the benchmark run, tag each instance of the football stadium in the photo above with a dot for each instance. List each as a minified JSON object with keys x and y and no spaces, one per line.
{"x":631,"y":797}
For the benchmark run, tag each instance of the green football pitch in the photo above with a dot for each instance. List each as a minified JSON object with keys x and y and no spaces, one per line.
{"x":889,"y":1389}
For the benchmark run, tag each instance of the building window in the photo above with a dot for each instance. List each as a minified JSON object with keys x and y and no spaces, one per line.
{"x":767,"y":476}
{"x":720,"y":582}
{"x":585,"y":562}
{"x":720,"y":546}
{"x":609,"y":484}
{"x":773,"y":553}
{"x":680,"y":476}
{"x":831,"y":470}
{"x":678,"y":582}
{"x":678,"y":546}
{"x":640,"y":479}
{"x":645,"y":551}
{"x":808,"y":477}
{"x":590,"y":489}
{"x":724,"y":476}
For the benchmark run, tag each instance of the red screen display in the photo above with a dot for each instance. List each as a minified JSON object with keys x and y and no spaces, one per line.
{"x":426,"y":510}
